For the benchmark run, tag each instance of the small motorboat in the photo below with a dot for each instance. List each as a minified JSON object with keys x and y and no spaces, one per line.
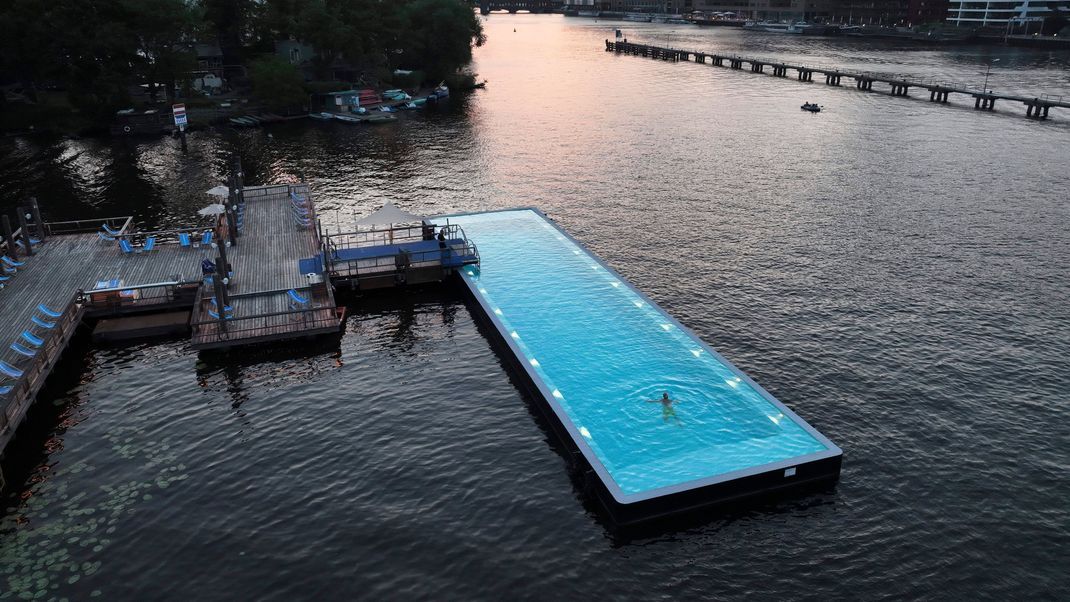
{"x":812,"y":107}
{"x":387,"y":109}
{"x":346,"y":118}
{"x":324,"y":116}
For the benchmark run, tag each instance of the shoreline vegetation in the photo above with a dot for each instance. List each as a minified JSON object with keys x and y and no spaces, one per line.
{"x":68,"y":66}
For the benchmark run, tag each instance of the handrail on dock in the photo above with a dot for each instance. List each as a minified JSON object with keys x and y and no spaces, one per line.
{"x":17,"y":401}
{"x":141,"y":297}
{"x":84,"y":226}
{"x":387,"y":236}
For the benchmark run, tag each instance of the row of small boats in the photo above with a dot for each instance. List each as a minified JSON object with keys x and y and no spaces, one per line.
{"x":355,"y":118}
{"x":384,"y":113}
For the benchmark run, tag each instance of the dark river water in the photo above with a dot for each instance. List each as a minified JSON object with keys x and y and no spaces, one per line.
{"x":893,"y":270}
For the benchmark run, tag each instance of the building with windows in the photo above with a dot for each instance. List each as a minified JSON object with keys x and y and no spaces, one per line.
{"x":1001,"y":12}
{"x":926,"y":11}
{"x":768,"y":10}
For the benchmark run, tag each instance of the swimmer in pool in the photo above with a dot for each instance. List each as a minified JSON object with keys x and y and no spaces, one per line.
{"x":667,"y":411}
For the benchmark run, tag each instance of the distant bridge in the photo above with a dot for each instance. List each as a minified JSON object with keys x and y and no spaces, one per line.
{"x":535,"y":6}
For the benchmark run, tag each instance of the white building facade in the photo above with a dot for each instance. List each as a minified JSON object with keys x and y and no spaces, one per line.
{"x":998,"y":12}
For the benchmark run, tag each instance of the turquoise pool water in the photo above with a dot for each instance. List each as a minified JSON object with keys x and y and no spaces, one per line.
{"x":605,"y":355}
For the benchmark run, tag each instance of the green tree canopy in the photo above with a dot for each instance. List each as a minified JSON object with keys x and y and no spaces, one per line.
{"x":438,"y":35}
{"x":277,"y":83}
{"x":98,"y":49}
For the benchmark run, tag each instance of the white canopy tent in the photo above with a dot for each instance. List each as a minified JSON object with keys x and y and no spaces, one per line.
{"x":389,"y":215}
{"x":213,"y":209}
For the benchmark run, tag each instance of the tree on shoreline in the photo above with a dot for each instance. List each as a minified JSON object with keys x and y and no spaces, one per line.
{"x":98,"y":50}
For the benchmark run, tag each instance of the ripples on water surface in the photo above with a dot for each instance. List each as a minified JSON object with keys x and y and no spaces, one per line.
{"x":894,"y":271}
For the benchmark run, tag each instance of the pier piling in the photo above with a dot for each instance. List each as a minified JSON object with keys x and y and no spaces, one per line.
{"x":24,"y":231}
{"x":37,"y":223}
{"x":12,"y":248}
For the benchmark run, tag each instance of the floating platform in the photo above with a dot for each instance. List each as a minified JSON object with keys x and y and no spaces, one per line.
{"x":601,"y":355}
{"x":172,"y":323}
{"x":106,"y":269}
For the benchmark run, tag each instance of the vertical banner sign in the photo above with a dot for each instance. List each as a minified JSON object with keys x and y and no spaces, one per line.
{"x":180,"y":115}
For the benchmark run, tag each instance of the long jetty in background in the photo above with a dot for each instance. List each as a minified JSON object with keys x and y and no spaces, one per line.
{"x":1036,"y":107}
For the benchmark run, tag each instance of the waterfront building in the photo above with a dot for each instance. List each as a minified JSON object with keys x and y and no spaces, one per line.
{"x":662,"y":7}
{"x":926,"y":11}
{"x":1000,"y":12}
{"x":869,"y":12}
{"x":767,"y":10}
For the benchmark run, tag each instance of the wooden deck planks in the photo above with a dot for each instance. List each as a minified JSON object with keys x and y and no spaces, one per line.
{"x":265,"y":264}
{"x":265,"y":260}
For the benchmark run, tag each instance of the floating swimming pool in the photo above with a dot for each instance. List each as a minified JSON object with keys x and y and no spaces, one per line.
{"x":603,"y":356}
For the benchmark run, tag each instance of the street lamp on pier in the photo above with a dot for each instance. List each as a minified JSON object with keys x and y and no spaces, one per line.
{"x":987,"y":73}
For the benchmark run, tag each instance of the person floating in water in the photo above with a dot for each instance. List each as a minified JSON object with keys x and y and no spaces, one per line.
{"x":667,"y":411}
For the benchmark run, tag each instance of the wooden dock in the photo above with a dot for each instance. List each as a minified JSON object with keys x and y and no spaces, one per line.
{"x":78,"y":270}
{"x":1037,"y":107}
{"x":266,"y":268}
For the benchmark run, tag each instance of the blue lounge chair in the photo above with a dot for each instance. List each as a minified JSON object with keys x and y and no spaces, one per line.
{"x":5,"y":278}
{"x":10,"y":370}
{"x":33,"y":242}
{"x":22,"y":350}
{"x":150,"y":243}
{"x":4,"y":390}
{"x":105,"y":237}
{"x":112,"y":232}
{"x":42,"y":323}
{"x":183,"y":239}
{"x":126,"y":246}
{"x":11,"y":262}
{"x":226,"y":308}
{"x":31,"y":339}
{"x":41,"y":307}
{"x":215,"y":316}
{"x":207,"y":238}
{"x":8,"y":270}
{"x":297,"y":298}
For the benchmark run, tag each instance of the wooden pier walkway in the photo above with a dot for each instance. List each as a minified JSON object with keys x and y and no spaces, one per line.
{"x":75,"y":272}
{"x":1037,"y":107}
{"x":266,"y":269}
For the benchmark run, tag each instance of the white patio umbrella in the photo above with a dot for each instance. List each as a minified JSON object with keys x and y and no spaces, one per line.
{"x":388,"y":215}
{"x":213,"y":209}
{"x":219,"y":191}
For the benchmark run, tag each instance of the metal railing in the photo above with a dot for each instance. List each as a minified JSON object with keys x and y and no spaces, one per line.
{"x":16,"y":400}
{"x":319,"y":314}
{"x":125,"y":298}
{"x":452,"y":256}
{"x":82,"y":226}
{"x":388,"y":236}
{"x":5,"y":246}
